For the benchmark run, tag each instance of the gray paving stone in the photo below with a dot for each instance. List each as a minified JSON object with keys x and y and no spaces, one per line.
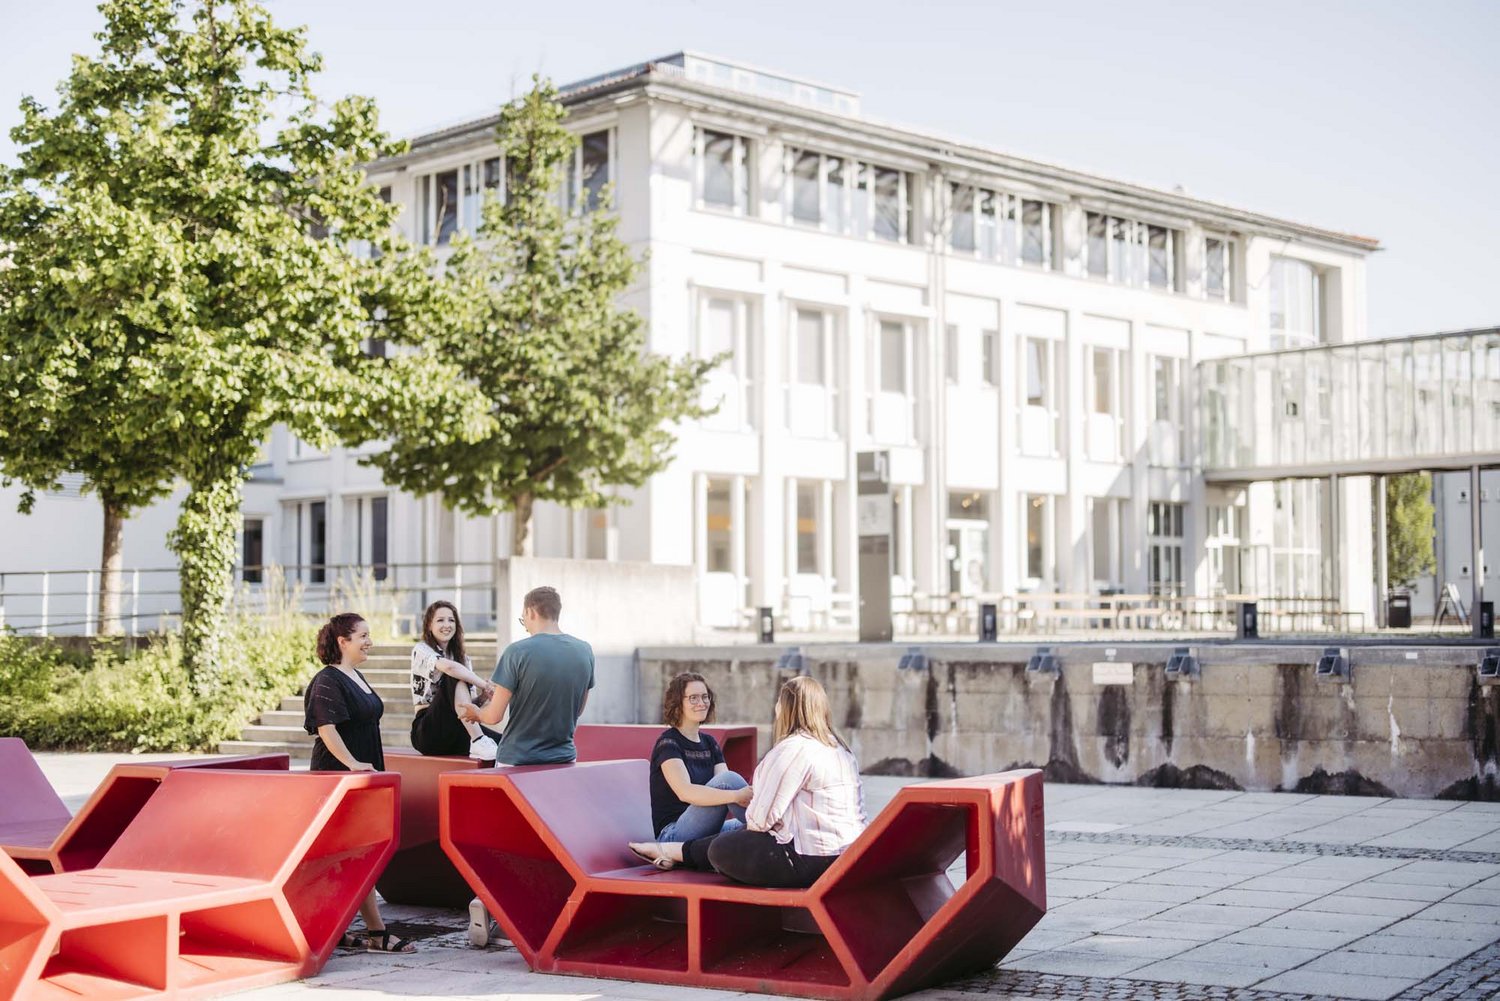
{"x":1383,"y":906}
{"x":1402,"y":967}
{"x":1215,"y":974}
{"x":1479,"y":915}
{"x":1065,"y":887}
{"x":1167,"y":893}
{"x":1083,"y":963}
{"x":1294,"y":884}
{"x":1391,"y":891}
{"x":1392,"y":943}
{"x":1183,"y":931}
{"x":1278,"y":900}
{"x":1264,"y":957}
{"x":1489,"y":896}
{"x":1339,"y":985}
{"x":1423,"y":927}
{"x":1220,"y":914}
{"x":1115,"y":944}
{"x":1329,"y":921}
{"x":1297,"y":938}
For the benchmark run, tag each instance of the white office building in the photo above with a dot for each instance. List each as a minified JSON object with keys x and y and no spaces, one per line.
{"x":1020,"y":338}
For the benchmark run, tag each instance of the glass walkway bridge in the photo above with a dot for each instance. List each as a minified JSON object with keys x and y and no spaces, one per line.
{"x":1366,"y":408}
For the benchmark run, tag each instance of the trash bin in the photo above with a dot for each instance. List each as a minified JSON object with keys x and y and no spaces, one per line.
{"x":1398,"y":610}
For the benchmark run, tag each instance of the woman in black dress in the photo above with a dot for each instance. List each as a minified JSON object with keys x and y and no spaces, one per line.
{"x":343,"y":715}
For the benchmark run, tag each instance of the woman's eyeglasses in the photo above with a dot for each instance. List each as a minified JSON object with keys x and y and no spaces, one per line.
{"x":699,"y":700}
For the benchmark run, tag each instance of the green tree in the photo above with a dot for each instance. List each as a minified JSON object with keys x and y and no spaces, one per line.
{"x":1408,"y":528}
{"x":535,"y":322}
{"x":188,"y":241}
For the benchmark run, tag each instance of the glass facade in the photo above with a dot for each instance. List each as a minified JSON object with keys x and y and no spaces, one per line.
{"x":1350,"y":405}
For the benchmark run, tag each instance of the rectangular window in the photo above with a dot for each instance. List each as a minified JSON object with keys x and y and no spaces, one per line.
{"x":848,"y":196}
{"x":445,"y":206}
{"x":380,"y":537}
{"x":1098,"y":245}
{"x":1105,"y":546}
{"x":950,"y":353}
{"x":1038,"y":511}
{"x":990,"y":367}
{"x":833,"y":195}
{"x":1218,"y":264}
{"x":891,"y":209}
{"x":253,"y":548}
{"x":1164,"y":534}
{"x":892,"y":357}
{"x":1036,"y":237}
{"x":724,"y":170}
{"x":808,"y":503}
{"x":1104,"y":380}
{"x":1128,"y":252}
{"x":968,"y":505}
{"x":1166,"y":383}
{"x":317,"y":534}
{"x":1296,"y":306}
{"x":723,"y":331}
{"x":811,"y":331}
{"x":989,"y":229}
{"x":719,"y":523}
{"x":805,"y":202}
{"x":591,"y":171}
{"x":1038,"y":364}
{"x":961,"y":201}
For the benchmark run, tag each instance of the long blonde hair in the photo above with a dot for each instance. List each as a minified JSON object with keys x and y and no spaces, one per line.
{"x":802,"y":707}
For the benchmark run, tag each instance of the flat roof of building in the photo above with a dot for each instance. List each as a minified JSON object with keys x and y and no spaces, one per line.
{"x":799,"y":101}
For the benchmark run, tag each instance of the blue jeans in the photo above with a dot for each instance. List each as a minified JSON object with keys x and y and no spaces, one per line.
{"x":703,"y":821}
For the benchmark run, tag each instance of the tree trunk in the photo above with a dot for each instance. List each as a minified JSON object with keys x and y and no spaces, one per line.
{"x":205,"y":541}
{"x":109,"y":570}
{"x":520,"y":534}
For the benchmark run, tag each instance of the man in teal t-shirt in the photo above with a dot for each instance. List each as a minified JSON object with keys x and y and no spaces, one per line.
{"x":544,"y":680}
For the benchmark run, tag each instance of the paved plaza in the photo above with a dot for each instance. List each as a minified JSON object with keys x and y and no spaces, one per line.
{"x":1153,"y":893}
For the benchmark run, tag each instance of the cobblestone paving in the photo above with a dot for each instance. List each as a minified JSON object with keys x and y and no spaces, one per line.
{"x":1471,"y":979}
{"x":1270,"y":845}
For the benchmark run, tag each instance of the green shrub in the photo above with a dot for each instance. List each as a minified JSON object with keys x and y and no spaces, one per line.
{"x":141,"y":700}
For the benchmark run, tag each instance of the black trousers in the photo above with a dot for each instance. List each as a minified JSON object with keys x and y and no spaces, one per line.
{"x":755,"y":858}
{"x":437,"y":729}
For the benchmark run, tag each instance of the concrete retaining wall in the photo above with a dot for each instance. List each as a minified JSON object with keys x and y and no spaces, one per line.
{"x":1413,"y":722}
{"x":616,"y":606}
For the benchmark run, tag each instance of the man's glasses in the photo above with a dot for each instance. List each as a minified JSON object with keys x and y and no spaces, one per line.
{"x":699,"y":700}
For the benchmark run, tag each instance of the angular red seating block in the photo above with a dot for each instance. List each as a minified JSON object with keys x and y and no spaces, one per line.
{"x":33,"y":815}
{"x":421,"y":874}
{"x":615,"y":741}
{"x":80,"y":841}
{"x":545,"y":848}
{"x":224,"y":880}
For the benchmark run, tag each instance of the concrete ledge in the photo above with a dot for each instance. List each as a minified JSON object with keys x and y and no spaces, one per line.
{"x":1412,"y":720}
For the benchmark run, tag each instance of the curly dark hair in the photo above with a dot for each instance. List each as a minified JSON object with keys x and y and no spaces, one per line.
{"x":455,"y":649}
{"x":341,"y":626}
{"x":671,"y":700}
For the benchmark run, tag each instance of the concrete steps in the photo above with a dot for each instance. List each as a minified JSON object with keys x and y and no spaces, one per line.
{"x":388,"y":671}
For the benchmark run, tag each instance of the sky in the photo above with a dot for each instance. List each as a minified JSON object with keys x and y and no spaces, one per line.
{"x":1366,"y":116}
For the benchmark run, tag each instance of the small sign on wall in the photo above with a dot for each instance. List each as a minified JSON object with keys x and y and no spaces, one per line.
{"x":1108,"y":672}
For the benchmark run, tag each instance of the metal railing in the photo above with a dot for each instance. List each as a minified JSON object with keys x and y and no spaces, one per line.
{"x":48,"y":602}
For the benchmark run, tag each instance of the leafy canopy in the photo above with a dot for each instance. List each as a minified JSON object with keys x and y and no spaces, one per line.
{"x":186,"y":238}
{"x":534,"y":320}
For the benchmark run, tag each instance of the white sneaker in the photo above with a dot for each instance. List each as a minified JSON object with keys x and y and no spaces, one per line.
{"x":479,"y":922}
{"x":483,"y":748}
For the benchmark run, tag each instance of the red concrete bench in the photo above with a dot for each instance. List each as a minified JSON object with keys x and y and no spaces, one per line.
{"x":37,"y":830}
{"x":224,"y":880}
{"x":545,"y":847}
{"x":421,"y":874}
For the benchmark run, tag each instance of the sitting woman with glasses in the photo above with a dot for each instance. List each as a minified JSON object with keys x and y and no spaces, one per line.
{"x":808,"y":807}
{"x":693,"y":792}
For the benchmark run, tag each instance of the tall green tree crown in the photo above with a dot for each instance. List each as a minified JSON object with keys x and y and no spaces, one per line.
{"x":580,"y":406}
